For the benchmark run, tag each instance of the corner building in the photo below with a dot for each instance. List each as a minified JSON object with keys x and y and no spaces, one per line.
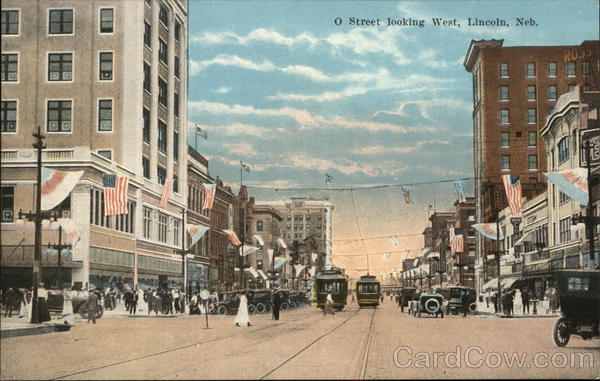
{"x":106,"y":81}
{"x":514,"y":90}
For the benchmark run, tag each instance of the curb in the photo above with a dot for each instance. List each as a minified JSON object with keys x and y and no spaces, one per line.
{"x":531,"y":316}
{"x":35,"y":330}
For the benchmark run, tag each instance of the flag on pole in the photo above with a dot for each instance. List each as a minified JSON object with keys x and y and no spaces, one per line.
{"x":328,"y":178}
{"x":299,"y":269}
{"x":233,"y":238}
{"x":209,"y":196}
{"x":245,"y":167}
{"x":250,"y":250}
{"x":56,"y":186}
{"x":459,"y":189}
{"x":407,"y":193}
{"x":313,"y":271}
{"x":386,"y":256}
{"x":405,"y":255}
{"x":71,"y":230}
{"x":114,"y":189}
{"x":314,"y":257}
{"x":279,"y":262}
{"x":281,"y":243}
{"x":394,"y":241}
{"x":203,"y":134}
{"x":166,"y":193}
{"x":270,"y":254}
{"x":456,"y":240}
{"x":512,"y":186}
{"x":196,"y":232}
{"x":258,"y":240}
{"x":488,"y":230}
{"x":572,"y":182}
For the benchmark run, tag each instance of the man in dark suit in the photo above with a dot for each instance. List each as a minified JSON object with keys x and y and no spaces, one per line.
{"x":92,"y":306}
{"x":10,"y":299}
{"x":276,"y":305}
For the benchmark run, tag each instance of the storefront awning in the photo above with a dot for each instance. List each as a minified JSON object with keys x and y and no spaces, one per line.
{"x":490,"y":285}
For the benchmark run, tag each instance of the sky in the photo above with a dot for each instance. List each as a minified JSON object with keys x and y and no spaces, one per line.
{"x":281,"y":87}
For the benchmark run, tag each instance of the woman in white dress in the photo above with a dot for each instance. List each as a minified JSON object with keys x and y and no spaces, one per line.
{"x":242,"y":317}
{"x":68,"y":317}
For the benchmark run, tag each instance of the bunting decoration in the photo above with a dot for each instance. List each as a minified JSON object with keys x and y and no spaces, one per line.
{"x":299,"y":269}
{"x":424,"y":251}
{"x":196,"y":232}
{"x":313,"y":271}
{"x":250,"y":250}
{"x":279,"y":263}
{"x":56,"y":186}
{"x":328,"y":178}
{"x":488,"y":230}
{"x":166,"y":193}
{"x":459,"y":190}
{"x":270,"y":254}
{"x":404,"y":255}
{"x":394,"y":241}
{"x":281,"y":243}
{"x":258,"y":240}
{"x":209,"y":196}
{"x":572,"y":182}
{"x":512,"y":186}
{"x":233,"y":238}
{"x":71,"y":231}
{"x":314,"y":257}
{"x":407,"y":193}
{"x":114,"y":189}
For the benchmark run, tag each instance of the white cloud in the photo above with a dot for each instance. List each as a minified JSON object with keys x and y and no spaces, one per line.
{"x":242,"y":149}
{"x":427,"y":106}
{"x":345,"y":166}
{"x":223,"y":90}
{"x":374,"y":150}
{"x":230,"y":60}
{"x":304,"y":118}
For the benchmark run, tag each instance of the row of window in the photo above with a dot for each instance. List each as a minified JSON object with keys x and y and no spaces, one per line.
{"x":60,"y":67}
{"x":301,"y":217}
{"x":531,"y":91}
{"x":505,"y":139}
{"x":570,"y":69}
{"x":161,"y":227}
{"x":531,"y":116}
{"x":532,"y":162}
{"x":58,"y":115}
{"x":299,"y":235}
{"x":196,"y":199}
{"x":302,"y":226}
{"x":60,"y":21}
{"x":123,"y":222}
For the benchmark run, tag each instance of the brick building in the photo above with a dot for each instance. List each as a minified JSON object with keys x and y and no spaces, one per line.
{"x":514,"y":90}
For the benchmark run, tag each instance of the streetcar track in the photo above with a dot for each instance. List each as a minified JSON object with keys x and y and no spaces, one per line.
{"x":365,"y":361}
{"x":319,"y":338}
{"x":161,"y":353}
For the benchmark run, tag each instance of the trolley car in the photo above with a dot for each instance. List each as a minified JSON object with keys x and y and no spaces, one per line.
{"x":330,"y":281}
{"x":368,"y":291}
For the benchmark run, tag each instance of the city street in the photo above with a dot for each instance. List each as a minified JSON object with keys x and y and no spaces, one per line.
{"x":352,"y":344}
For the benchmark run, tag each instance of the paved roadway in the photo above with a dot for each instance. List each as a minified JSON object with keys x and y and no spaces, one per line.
{"x":353,"y":344}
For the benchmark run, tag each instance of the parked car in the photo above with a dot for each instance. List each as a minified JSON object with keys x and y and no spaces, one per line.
{"x":431,"y":304}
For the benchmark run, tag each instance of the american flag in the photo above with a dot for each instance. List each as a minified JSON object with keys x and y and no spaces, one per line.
{"x":456,"y":240}
{"x":209,"y":196}
{"x":114,"y":189}
{"x":245,"y":167}
{"x":512,"y":186}
{"x":164,"y":198}
{"x":407,"y":193}
{"x":233,"y":238}
{"x":328,"y":178}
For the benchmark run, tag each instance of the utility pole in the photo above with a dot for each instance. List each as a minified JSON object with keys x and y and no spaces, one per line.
{"x":59,"y":247}
{"x":590,"y":223}
{"x":183,"y":252}
{"x":242,"y":232}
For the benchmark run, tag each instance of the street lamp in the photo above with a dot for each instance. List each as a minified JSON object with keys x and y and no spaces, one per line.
{"x":59,"y":247}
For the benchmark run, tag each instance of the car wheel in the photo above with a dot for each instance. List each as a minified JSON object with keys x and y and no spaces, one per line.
{"x":284,"y":306}
{"x":268,"y":307}
{"x":221,"y":310}
{"x":292,"y":305}
{"x":260,"y":308}
{"x":560,"y":333}
{"x":251,"y":309}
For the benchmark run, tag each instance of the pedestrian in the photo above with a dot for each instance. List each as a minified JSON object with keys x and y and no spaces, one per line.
{"x":276,"y":305}
{"x":133,"y":301}
{"x":10,"y":299}
{"x":25,"y":305}
{"x":496,"y":300}
{"x":352,"y":301}
{"x":525,"y":300}
{"x":381,"y":297}
{"x":92,"y":306}
{"x":43,"y":313}
{"x":465,"y":302}
{"x":328,"y":304}
{"x":67,"y":315}
{"x":242,"y":317}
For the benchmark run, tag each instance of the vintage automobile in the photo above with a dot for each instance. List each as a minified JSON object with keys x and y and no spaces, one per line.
{"x":262,"y":300}
{"x":407,"y":294}
{"x":431,"y":304}
{"x":79,"y":301}
{"x":456,"y":298}
{"x":285,"y":298}
{"x":297,"y":299}
{"x":579,"y":295}
{"x":258,"y":301}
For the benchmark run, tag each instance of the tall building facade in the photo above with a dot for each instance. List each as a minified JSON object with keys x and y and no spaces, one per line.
{"x":514,"y":90}
{"x":106,"y":83}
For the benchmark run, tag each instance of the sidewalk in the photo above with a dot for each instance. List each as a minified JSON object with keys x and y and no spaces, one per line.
{"x":484,"y":310}
{"x":14,"y":326}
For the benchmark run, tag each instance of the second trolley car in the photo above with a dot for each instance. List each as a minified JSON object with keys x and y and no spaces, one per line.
{"x":368,"y":291}
{"x":330,"y":281}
